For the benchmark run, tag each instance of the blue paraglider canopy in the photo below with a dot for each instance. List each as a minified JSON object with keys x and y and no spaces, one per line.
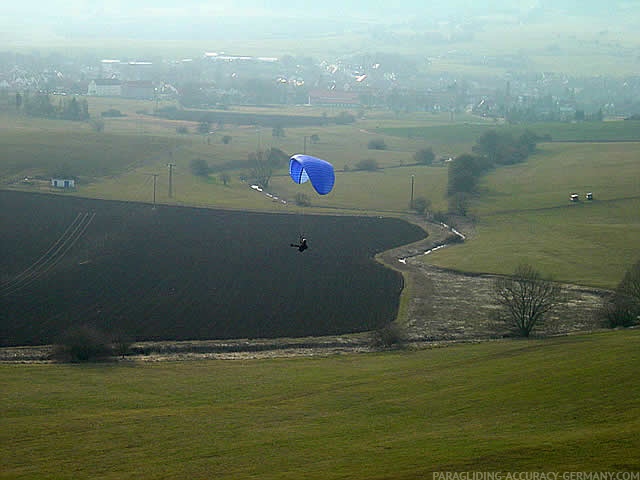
{"x":318,"y":171}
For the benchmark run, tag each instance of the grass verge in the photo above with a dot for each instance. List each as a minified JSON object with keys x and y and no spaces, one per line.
{"x":561,"y":404}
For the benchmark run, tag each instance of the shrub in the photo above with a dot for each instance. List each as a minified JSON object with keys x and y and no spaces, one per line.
{"x":199,"y":167}
{"x":121,"y":344}
{"x":170,"y":111}
{"x":440,"y":216}
{"x":83,"y":344}
{"x":622,"y":308}
{"x":368,"y":164}
{"x":302,"y":200}
{"x":619,"y":311}
{"x":424,"y":156}
{"x":204,"y":127}
{"x":377,"y":144}
{"x":112,"y":112}
{"x":389,"y":336}
{"x":344,"y":118}
{"x":421,"y":205}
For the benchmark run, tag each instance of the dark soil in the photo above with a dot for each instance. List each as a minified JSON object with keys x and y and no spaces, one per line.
{"x":178,"y":274}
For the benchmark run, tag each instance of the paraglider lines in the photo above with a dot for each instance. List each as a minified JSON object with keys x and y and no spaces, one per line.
{"x":54,"y":254}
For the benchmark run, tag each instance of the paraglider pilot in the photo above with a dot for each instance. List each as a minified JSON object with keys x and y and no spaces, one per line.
{"x":302,"y":245}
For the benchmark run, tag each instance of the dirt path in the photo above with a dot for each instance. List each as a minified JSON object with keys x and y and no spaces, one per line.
{"x":446,"y":305}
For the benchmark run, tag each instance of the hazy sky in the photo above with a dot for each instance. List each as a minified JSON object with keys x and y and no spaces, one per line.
{"x":380,"y":10}
{"x":45,"y":22}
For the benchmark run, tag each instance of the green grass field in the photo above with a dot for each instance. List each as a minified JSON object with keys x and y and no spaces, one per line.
{"x":466,"y":133}
{"x":563,"y":404}
{"x":134,"y":147}
{"x":525,"y":216}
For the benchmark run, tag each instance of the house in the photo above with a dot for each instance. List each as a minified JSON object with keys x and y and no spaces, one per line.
{"x":65,"y":183}
{"x":105,"y":87}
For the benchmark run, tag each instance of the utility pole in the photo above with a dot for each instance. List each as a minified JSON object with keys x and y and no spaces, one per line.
{"x":412,"y":182}
{"x":155,"y":178}
{"x":305,"y":145}
{"x":171,"y":165}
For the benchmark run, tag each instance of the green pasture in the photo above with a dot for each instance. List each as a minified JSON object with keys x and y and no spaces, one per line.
{"x":465,"y":134}
{"x":524,"y":215}
{"x":133,"y":148}
{"x":42,"y":147}
{"x":562,"y":404}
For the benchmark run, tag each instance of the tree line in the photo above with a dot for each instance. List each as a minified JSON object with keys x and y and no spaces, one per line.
{"x":39,"y":105}
{"x":492,"y":149}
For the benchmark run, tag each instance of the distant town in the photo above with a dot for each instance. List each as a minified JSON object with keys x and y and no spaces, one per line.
{"x":400,"y":84}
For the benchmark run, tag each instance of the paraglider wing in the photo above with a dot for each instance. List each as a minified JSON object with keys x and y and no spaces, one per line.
{"x":318,"y":171}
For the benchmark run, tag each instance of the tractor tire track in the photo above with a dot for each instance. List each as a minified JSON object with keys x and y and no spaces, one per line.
{"x":51,"y":257}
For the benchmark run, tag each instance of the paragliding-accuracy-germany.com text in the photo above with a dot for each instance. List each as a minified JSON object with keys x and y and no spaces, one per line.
{"x":536,"y":476}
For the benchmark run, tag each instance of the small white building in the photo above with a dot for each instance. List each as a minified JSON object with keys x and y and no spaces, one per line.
{"x":64,"y":183}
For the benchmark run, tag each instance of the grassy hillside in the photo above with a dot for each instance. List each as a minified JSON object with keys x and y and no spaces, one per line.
{"x":524,"y":215}
{"x":563,"y":404}
{"x":136,"y":146}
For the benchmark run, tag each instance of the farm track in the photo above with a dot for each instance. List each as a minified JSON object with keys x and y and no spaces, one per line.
{"x":449,"y":306}
{"x":558,"y":207}
{"x":52,"y":257}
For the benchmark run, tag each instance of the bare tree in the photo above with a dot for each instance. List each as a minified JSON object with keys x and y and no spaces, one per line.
{"x":526,"y":297}
{"x":261,"y":169}
{"x":264,"y":162}
{"x":225,"y":178}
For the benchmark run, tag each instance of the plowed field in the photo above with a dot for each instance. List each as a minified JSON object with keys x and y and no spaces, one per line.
{"x":176,"y":273}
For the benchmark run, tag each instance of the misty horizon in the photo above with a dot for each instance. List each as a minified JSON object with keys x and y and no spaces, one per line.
{"x":35,"y":21}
